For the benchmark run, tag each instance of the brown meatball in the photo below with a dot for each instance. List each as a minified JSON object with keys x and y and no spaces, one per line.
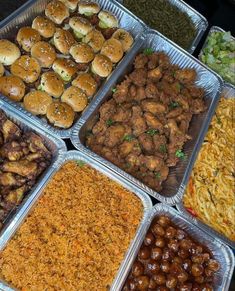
{"x":149,"y":239}
{"x":167,"y":254}
{"x":142,"y":282}
{"x":182,"y":277}
{"x":152,"y":266}
{"x":173,"y":245}
{"x":197,"y":270}
{"x":160,"y":278}
{"x":152,"y":284}
{"x":156,"y":254}
{"x":137,"y":269}
{"x":144,"y":253}
{"x":185,"y":287}
{"x":165,"y":267}
{"x":158,"y":230}
{"x":160,"y":242}
{"x":164,"y":220}
{"x":171,"y":281}
{"x":213,"y":265}
{"x":170,"y":232}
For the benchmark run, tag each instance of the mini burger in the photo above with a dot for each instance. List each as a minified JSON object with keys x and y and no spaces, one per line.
{"x":37,"y":102}
{"x":124,"y":37}
{"x":88,"y":8}
{"x":44,"y":26}
{"x":9,"y":52}
{"x":95,"y":39}
{"x":86,"y":83}
{"x":44,"y":53}
{"x":102,"y":66}
{"x":2,"y":70}
{"x":52,"y":84}
{"x":82,"y":53}
{"x":76,"y":98}
{"x":112,"y":49}
{"x":65,"y":68}
{"x":107,"y":20}
{"x":80,"y":26}
{"x":27,"y":37}
{"x":12,"y":87}
{"x":60,"y":114}
{"x":71,"y":4}
{"x":56,"y":11}
{"x":27,"y":68}
{"x":63,"y":40}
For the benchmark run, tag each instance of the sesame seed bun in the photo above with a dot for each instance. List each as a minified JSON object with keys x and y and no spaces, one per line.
{"x":52,"y":84}
{"x":102,"y":66}
{"x":2,"y":70}
{"x":124,"y":37}
{"x":82,"y":53}
{"x":71,"y":4}
{"x":56,"y":11}
{"x":107,"y":19}
{"x":37,"y":102}
{"x":44,"y":53}
{"x":27,"y":37}
{"x":95,"y":39}
{"x":81,"y":26}
{"x":112,"y":49}
{"x":27,"y":68}
{"x":88,"y":8}
{"x":63,"y":40}
{"x":65,"y":68}
{"x":76,"y":98}
{"x":60,"y":114}
{"x":9,"y":52}
{"x":44,"y":26}
{"x":86,"y":83}
{"x":12,"y":87}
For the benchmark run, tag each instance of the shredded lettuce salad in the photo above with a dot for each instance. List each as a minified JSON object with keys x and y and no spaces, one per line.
{"x":219,"y":55}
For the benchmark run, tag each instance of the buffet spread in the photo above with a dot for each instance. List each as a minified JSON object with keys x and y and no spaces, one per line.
{"x":147,"y":119}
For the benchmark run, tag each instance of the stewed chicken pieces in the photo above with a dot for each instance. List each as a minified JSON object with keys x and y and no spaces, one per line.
{"x":143,"y":127}
{"x":23,"y":157}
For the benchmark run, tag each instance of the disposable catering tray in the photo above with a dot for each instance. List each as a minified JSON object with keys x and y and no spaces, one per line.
{"x":228,"y":92}
{"x":221,"y":252}
{"x":25,"y":15}
{"x":146,"y":201}
{"x":213,"y":29}
{"x":173,"y":187}
{"x":199,"y":21}
{"x":57,"y":148}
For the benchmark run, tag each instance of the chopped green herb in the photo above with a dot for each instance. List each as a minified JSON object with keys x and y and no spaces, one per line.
{"x":128,"y":165}
{"x":109,"y":122}
{"x":114,"y":90}
{"x":80,"y":163}
{"x":180,"y":154}
{"x":174,"y":105}
{"x":148,"y":51}
{"x":152,"y":132}
{"x":163,"y":148}
{"x":157,"y":175}
{"x":128,"y":137}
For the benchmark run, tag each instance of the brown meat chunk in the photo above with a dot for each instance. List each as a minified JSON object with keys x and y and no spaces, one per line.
{"x":153,"y":107}
{"x":155,"y":74}
{"x":186,"y":76}
{"x":140,"y":94}
{"x":10,"y":130}
{"x":174,"y":113}
{"x":137,"y":120}
{"x":146,"y":143}
{"x":23,"y":168}
{"x":126,"y":148}
{"x":153,"y":61}
{"x":153,"y":163}
{"x":159,"y":141}
{"x":153,"y":122}
{"x":198,"y":106}
{"x":114,"y":135}
{"x":164,"y":172}
{"x":11,"y":180}
{"x":121,"y":115}
{"x":139,"y":77}
{"x":121,"y":93}
{"x":107,"y":109}
{"x":12,"y":151}
{"x":196,"y":92}
{"x":141,"y":61}
{"x":100,"y":127}
{"x":151,"y":90}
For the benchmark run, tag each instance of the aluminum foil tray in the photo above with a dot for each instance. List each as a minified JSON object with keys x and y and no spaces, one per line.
{"x":213,"y":29}
{"x":174,"y":186}
{"x":198,"y":20}
{"x":146,"y":201}
{"x":58,"y":149}
{"x":228,"y":92}
{"x":221,"y":252}
{"x":25,"y":15}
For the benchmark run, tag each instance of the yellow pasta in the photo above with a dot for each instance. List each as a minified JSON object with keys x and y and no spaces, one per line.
{"x":210,"y":192}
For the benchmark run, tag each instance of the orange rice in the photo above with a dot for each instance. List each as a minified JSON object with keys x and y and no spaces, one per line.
{"x":77,"y":235}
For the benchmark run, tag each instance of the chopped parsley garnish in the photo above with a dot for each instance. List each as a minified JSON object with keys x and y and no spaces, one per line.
{"x":180,"y":154}
{"x":80,"y":163}
{"x":163,"y":148}
{"x":128,"y":137}
{"x":109,"y":122}
{"x":152,"y":132}
{"x":174,"y":105}
{"x":157,"y":175}
{"x":148,"y":51}
{"x":114,"y":90}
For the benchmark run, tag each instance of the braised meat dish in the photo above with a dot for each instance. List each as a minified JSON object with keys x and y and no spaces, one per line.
{"x":143,"y":127}
{"x":23,"y":157}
